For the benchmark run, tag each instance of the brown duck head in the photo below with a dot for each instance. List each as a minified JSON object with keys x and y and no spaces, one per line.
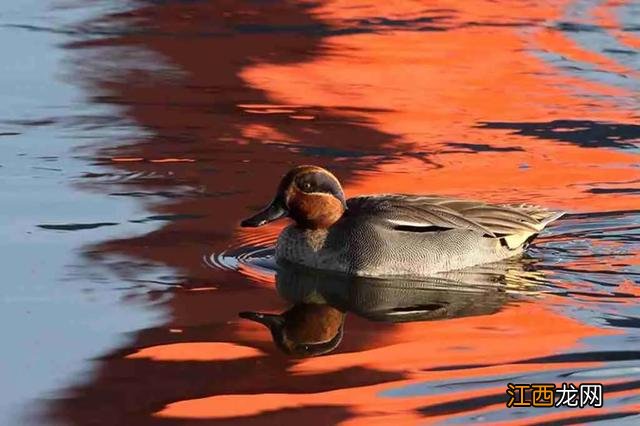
{"x":309,"y":195}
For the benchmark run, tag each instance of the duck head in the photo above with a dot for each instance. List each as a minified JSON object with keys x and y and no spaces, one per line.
{"x":310,"y":195}
{"x":305,"y":329}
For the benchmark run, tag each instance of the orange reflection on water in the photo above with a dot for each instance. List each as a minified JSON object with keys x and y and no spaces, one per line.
{"x":517,"y":332}
{"x":514,"y":334}
{"x":478,"y":11}
{"x":196,"y":351}
{"x":431,"y":96}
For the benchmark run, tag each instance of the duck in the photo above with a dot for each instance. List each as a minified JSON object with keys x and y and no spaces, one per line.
{"x":390,"y":235}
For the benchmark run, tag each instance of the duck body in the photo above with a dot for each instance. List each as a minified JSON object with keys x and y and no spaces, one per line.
{"x":396,"y":234}
{"x":387,"y":235}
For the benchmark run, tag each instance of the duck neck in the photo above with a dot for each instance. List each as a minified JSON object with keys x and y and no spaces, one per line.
{"x":319,"y":211}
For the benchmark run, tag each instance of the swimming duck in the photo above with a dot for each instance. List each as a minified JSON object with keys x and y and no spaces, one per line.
{"x":392,"y":234}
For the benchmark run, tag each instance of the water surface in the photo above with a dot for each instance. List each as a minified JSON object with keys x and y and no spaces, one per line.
{"x":140,"y":133}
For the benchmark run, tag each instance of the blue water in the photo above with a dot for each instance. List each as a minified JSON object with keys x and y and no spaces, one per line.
{"x":55,"y":315}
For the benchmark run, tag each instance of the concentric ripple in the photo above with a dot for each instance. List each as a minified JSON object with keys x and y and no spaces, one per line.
{"x":253,"y":257}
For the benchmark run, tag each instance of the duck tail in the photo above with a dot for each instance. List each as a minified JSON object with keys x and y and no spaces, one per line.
{"x":540,"y":214}
{"x":548,"y":216}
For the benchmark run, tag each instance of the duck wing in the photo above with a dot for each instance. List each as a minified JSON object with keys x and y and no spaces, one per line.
{"x":421,"y":213}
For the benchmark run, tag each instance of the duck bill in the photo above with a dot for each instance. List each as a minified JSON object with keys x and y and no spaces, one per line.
{"x":273,"y":212}
{"x":270,"y":321}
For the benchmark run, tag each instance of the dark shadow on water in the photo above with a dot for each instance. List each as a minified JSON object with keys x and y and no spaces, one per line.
{"x":583,"y":133}
{"x":615,"y":191}
{"x":76,"y":226}
{"x":474,"y":148}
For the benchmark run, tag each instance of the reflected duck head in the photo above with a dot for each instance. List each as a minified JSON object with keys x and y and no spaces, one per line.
{"x":310,"y":195}
{"x":305,"y":329}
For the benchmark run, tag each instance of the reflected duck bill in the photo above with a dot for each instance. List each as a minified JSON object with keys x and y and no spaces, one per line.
{"x":268,"y":320}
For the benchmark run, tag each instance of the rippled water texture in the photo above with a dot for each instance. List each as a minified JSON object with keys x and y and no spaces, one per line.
{"x":134,"y":136}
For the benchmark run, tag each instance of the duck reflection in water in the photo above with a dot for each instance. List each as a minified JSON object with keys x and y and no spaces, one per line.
{"x":305,"y":329}
{"x":314,"y":324}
